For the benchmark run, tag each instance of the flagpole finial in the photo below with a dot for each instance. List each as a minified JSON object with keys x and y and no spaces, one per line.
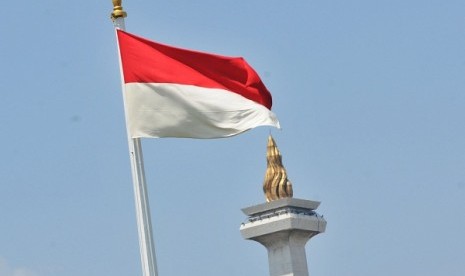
{"x":276,"y":184}
{"x":117,"y":10}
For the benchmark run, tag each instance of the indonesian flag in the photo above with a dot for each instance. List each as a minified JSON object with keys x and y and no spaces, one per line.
{"x":172,"y":92}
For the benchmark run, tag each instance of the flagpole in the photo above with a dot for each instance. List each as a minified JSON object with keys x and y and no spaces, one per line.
{"x":146,"y":243}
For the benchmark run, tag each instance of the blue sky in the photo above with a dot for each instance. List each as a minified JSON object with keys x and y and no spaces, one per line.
{"x":370,"y":96}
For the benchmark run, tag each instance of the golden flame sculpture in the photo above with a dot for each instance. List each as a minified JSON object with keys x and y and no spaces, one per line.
{"x":276,"y":185}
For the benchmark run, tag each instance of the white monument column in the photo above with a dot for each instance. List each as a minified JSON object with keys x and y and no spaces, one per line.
{"x":283,"y":224}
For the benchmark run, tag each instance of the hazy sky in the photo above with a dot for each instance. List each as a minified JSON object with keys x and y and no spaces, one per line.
{"x":370,"y":96}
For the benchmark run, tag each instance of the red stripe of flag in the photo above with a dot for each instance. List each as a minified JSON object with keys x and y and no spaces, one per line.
{"x":145,"y":61}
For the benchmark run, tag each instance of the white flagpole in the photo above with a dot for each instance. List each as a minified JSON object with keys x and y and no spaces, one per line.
{"x":146,"y":244}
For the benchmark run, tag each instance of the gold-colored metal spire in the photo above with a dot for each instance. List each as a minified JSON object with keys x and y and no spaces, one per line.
{"x":117,"y":10}
{"x":276,"y":184}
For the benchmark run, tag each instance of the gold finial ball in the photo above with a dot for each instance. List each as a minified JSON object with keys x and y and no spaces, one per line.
{"x":117,"y":10}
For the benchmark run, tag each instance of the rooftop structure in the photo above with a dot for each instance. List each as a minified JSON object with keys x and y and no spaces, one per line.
{"x":283,"y":224}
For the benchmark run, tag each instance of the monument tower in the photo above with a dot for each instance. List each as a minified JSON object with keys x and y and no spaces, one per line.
{"x":283,"y":224}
